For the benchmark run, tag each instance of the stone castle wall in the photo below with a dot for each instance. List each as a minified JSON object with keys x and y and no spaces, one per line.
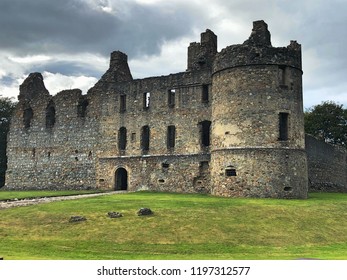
{"x":327,"y":166}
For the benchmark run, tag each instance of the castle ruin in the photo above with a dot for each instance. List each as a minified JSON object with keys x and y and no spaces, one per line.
{"x":231,"y":125}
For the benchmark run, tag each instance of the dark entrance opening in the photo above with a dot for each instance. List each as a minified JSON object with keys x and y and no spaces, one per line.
{"x":121,"y":179}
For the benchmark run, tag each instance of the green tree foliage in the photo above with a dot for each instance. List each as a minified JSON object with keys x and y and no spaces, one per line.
{"x":328,"y":122}
{"x":6,"y":110}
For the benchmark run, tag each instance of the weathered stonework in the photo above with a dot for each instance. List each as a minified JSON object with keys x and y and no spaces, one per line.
{"x":327,"y":166}
{"x":231,"y":125}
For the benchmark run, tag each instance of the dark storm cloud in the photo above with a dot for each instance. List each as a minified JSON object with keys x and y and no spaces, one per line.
{"x":68,"y":68}
{"x":72,"y":26}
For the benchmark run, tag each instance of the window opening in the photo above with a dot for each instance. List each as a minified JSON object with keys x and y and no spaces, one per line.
{"x":145,"y":138}
{"x":171,"y":98}
{"x":146,"y":100}
{"x":205,"y":94}
{"x":27,"y":117}
{"x":122,"y":104}
{"x":205,"y":133}
{"x":230,"y":171}
{"x":50,"y":115}
{"x":133,"y":137}
{"x":171,"y":135}
{"x":122,"y":138}
{"x":283,"y":76}
{"x":82,"y":108}
{"x":283,"y":126}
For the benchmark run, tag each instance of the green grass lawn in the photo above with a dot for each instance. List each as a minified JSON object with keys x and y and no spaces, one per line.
{"x":184,"y":226}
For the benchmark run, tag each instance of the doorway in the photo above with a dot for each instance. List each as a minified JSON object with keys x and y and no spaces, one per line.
{"x":121,"y":179}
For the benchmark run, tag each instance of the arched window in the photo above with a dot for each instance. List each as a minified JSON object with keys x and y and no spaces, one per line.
{"x":50,"y":115}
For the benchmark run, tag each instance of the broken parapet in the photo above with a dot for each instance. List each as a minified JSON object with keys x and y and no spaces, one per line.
{"x":257,"y":50}
{"x":201,"y":55}
{"x":119,"y":69}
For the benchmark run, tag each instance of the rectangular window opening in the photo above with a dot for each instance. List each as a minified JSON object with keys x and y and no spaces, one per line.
{"x":283,"y":76}
{"x":230,"y":171}
{"x":122,"y":104}
{"x":122,"y":138}
{"x":283,"y":126}
{"x":171,"y":135}
{"x":145,"y":138}
{"x":133,"y":137}
{"x":205,"y":94}
{"x":205,"y":133}
{"x":146,"y":100}
{"x":171,"y":98}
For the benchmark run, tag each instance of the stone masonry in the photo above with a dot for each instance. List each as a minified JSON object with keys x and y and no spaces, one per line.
{"x":230,"y":125}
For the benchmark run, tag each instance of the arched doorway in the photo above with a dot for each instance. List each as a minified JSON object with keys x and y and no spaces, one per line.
{"x":121,"y":179}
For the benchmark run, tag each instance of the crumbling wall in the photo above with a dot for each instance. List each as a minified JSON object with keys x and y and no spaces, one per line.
{"x":327,"y":166}
{"x":53,"y":146}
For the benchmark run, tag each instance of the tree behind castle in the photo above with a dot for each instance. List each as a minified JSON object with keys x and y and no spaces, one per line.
{"x":327,"y":122}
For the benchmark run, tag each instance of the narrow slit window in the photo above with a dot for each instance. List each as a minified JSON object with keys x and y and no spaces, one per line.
{"x":122,"y":103}
{"x":283,"y":126}
{"x":171,"y":98}
{"x":205,"y":94}
{"x":145,"y":138}
{"x":171,"y":135}
{"x":146,"y":100}
{"x":122,"y":138}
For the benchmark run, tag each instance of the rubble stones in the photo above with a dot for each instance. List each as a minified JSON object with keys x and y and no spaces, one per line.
{"x":76,"y":219}
{"x":145,"y":212}
{"x":114,"y":214}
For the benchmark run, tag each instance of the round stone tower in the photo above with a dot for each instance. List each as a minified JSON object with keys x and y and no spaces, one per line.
{"x":258,"y":147}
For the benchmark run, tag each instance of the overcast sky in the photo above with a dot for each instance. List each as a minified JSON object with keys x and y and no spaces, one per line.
{"x":69,"y":41}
